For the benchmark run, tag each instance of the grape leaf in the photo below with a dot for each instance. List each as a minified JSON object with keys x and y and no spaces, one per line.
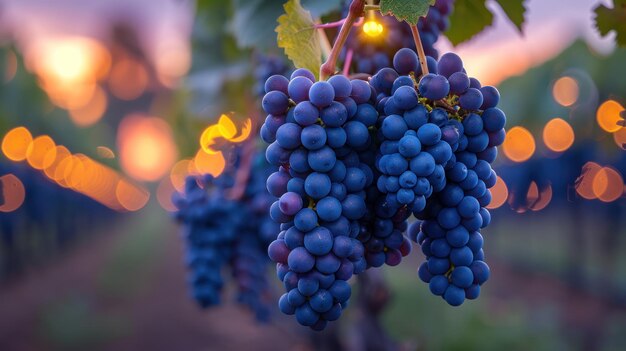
{"x":515,"y":10}
{"x":406,"y":10}
{"x":469,"y":18}
{"x":298,"y":36}
{"x":608,"y":19}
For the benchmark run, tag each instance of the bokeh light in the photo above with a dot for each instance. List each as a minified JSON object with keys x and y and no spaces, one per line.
{"x":15,"y":143}
{"x":620,"y":137}
{"x":565,"y":91}
{"x":92,"y":111}
{"x":225,"y":129}
{"x":128,"y":79}
{"x":204,"y":163}
{"x":558,"y":135}
{"x":179,"y":173}
{"x":13,"y":192}
{"x":584,"y":185}
{"x":538,"y":199}
{"x":499,"y":194}
{"x":146,"y":147}
{"x":607,"y":185}
{"x":37,"y":150}
{"x":131,"y":197}
{"x":608,"y":116}
{"x":519,"y":144}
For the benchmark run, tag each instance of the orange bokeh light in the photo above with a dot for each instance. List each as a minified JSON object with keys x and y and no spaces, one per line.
{"x":128,"y":79}
{"x":226,"y":129}
{"x":499,"y":194}
{"x":608,"y":116}
{"x":558,"y":135}
{"x":204,"y":163}
{"x":565,"y":91}
{"x":37,"y":150}
{"x":179,"y":173}
{"x":584,"y":186}
{"x":15,"y":144}
{"x":538,"y":200}
{"x":146,"y":147}
{"x":608,"y":184}
{"x":131,"y":197}
{"x":92,"y":111}
{"x":519,"y":144}
{"x":13,"y":192}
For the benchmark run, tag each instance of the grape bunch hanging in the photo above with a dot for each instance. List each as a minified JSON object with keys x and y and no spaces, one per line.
{"x":354,"y":159}
{"x":221,"y":231}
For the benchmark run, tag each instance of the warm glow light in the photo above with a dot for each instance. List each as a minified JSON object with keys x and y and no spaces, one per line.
{"x":499,"y":194}
{"x":584,"y":184}
{"x":173,"y":60}
{"x":15,"y":144}
{"x":372,"y":28}
{"x":565,"y":91}
{"x":128,"y":79}
{"x":146,"y":147}
{"x":164,"y":194}
{"x":13,"y":193}
{"x":519,"y":144}
{"x":226,"y":129}
{"x":38,"y":149}
{"x":131,"y":197}
{"x":179,"y":173}
{"x":213,"y":164}
{"x":608,"y":116}
{"x":92,"y":111}
{"x":537,"y":200}
{"x":608,"y":185}
{"x":558,"y":135}
{"x":53,"y":158}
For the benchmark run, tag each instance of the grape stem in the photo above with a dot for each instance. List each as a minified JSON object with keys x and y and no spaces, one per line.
{"x":339,"y":23}
{"x":348,"y":62}
{"x":356,"y":10}
{"x":371,"y":8}
{"x":420,"y":49}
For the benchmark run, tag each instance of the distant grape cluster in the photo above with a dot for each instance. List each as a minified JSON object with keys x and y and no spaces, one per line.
{"x":267,"y":66}
{"x":370,"y":54}
{"x":223,"y":232}
{"x":355,"y":159}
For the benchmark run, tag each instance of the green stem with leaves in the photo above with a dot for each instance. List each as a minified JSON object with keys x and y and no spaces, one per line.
{"x":328,"y":68}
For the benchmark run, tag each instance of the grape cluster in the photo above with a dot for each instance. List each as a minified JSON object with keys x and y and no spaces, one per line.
{"x":314,"y":130}
{"x":370,"y":54}
{"x":471,"y":127}
{"x":222,"y":232}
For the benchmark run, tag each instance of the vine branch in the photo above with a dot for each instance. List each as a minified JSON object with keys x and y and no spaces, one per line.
{"x":420,"y":49}
{"x":356,"y":10}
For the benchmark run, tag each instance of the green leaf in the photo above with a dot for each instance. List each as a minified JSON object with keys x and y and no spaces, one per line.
{"x":614,"y":19}
{"x":254,"y":22}
{"x":515,"y":10}
{"x":469,"y":18}
{"x":406,"y":10}
{"x":298,"y":36}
